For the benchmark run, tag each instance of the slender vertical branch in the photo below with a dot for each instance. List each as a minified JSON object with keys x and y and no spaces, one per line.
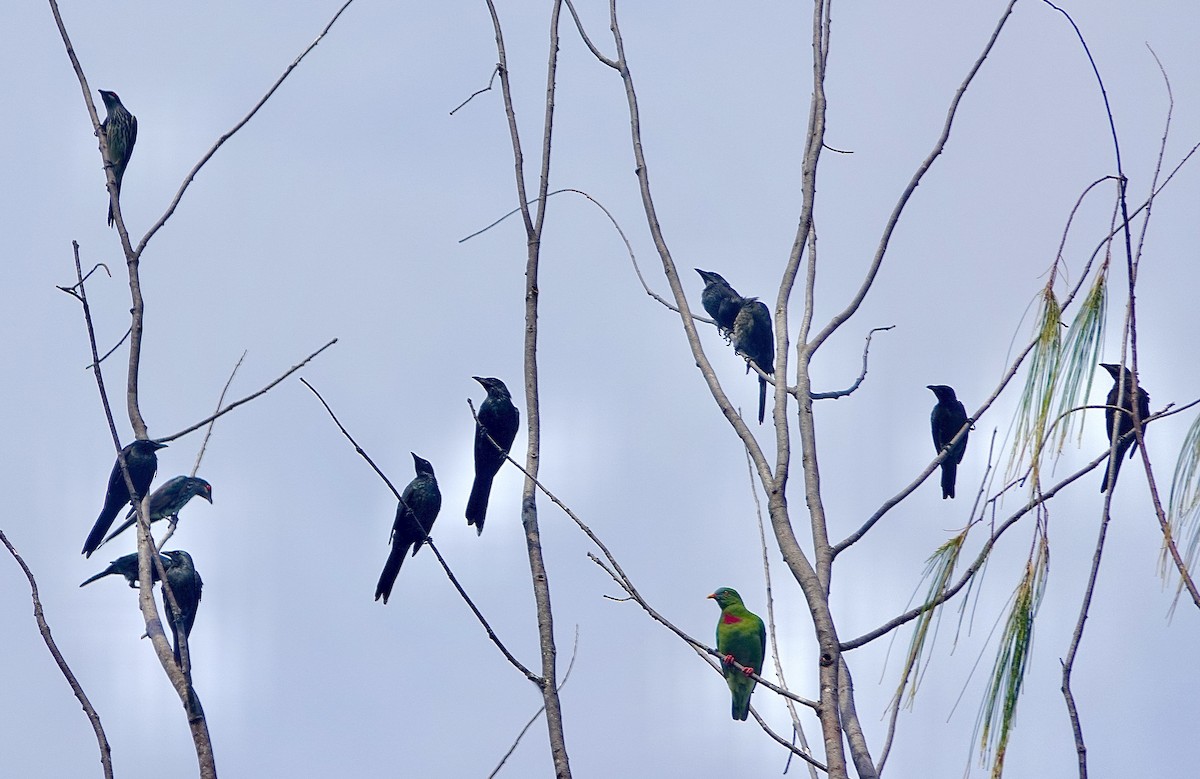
{"x":529,"y":516}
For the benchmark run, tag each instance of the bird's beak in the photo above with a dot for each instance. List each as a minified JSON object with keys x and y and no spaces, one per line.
{"x":713,"y":596}
{"x":476,"y":378}
{"x":207,"y":496}
{"x":157,"y":445}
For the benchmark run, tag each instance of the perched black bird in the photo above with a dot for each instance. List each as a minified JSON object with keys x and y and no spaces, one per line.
{"x":142,"y":462}
{"x":500,"y":418}
{"x":419,"y":503}
{"x":947,"y":419}
{"x":1122,"y":398}
{"x":720,"y":300}
{"x":167,"y":501}
{"x":127,"y":567}
{"x":753,"y":339}
{"x":185,"y":585}
{"x":120,"y":133}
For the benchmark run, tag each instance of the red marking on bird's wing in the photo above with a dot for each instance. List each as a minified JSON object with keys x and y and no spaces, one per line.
{"x":729,"y":619}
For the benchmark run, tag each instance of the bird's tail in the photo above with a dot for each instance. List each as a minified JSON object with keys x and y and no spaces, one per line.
{"x":96,"y":536}
{"x":124,"y":526}
{"x":741,"y":698}
{"x":477,"y":504}
{"x":391,"y":569}
{"x":949,"y":476}
{"x":762,"y":403}
{"x":1114,"y":467}
{"x":94,"y":578}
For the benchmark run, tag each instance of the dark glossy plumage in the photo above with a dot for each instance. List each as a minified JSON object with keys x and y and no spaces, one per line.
{"x":120,"y":133}
{"x":185,"y":583}
{"x":754,"y":340}
{"x":419,"y":503}
{"x":127,"y":566}
{"x":142,"y":462}
{"x":168,"y":500}
{"x":741,"y":636}
{"x":1121,"y":397}
{"x":720,"y":300}
{"x":946,"y":419}
{"x":500,"y":418}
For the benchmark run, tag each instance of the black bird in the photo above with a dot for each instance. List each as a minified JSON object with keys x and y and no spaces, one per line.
{"x":500,"y":418}
{"x":419,"y":503}
{"x":753,"y":339}
{"x":185,"y":584}
{"x":947,"y":419}
{"x":127,"y":567}
{"x":120,"y":133}
{"x":1124,"y":425}
{"x":142,"y":462}
{"x":720,"y":300}
{"x":168,"y":500}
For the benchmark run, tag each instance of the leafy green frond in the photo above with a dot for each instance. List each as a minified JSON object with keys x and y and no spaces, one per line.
{"x":1183,"y":507}
{"x":1079,"y":357}
{"x":1033,"y":413}
{"x":938,"y":569}
{"x":998,"y":711}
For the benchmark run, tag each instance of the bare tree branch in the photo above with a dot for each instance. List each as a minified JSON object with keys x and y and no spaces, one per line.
{"x":44,"y":628}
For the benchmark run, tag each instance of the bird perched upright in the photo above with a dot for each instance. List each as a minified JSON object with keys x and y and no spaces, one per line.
{"x":168,"y":500}
{"x":947,"y":418}
{"x":419,"y":506}
{"x":1121,"y":397}
{"x":120,"y":133}
{"x":753,"y":339}
{"x":741,"y":636}
{"x":142,"y":462}
{"x":127,"y":566}
{"x":500,"y":418}
{"x":720,"y":300}
{"x":185,"y":584}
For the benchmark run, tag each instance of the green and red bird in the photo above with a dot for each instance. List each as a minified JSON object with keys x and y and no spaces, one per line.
{"x":741,"y":636}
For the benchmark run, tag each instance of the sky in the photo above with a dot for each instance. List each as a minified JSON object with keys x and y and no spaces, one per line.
{"x":337,"y":212}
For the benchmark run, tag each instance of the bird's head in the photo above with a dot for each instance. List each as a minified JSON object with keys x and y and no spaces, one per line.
{"x":202,"y":488}
{"x":1114,"y":370}
{"x":711,"y":278}
{"x":422,"y":466}
{"x":179,"y":559}
{"x":944,"y":394}
{"x":726,"y":596}
{"x":110,"y":98}
{"x":493,"y":385}
{"x":146,"y":446}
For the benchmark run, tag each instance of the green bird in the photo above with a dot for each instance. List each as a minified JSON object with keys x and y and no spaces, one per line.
{"x":741,"y":636}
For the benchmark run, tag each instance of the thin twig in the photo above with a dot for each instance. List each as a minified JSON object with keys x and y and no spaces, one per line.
{"x":861,"y":377}
{"x":478,"y":92}
{"x":797,"y":728}
{"x":44,"y":628}
{"x":220,"y":400}
{"x":542,"y":708}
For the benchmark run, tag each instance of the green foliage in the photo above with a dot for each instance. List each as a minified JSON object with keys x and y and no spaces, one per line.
{"x":938,"y":569}
{"x":998,"y":711}
{"x":1060,"y":375}
{"x":1183,"y":507}
{"x":1081,"y":354}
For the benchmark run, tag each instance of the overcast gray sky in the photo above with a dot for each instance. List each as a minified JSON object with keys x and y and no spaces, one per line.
{"x":337,"y":213}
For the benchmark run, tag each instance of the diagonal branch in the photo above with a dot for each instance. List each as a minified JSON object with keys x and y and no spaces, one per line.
{"x":44,"y":629}
{"x":429,"y":542}
{"x":162,"y":220}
